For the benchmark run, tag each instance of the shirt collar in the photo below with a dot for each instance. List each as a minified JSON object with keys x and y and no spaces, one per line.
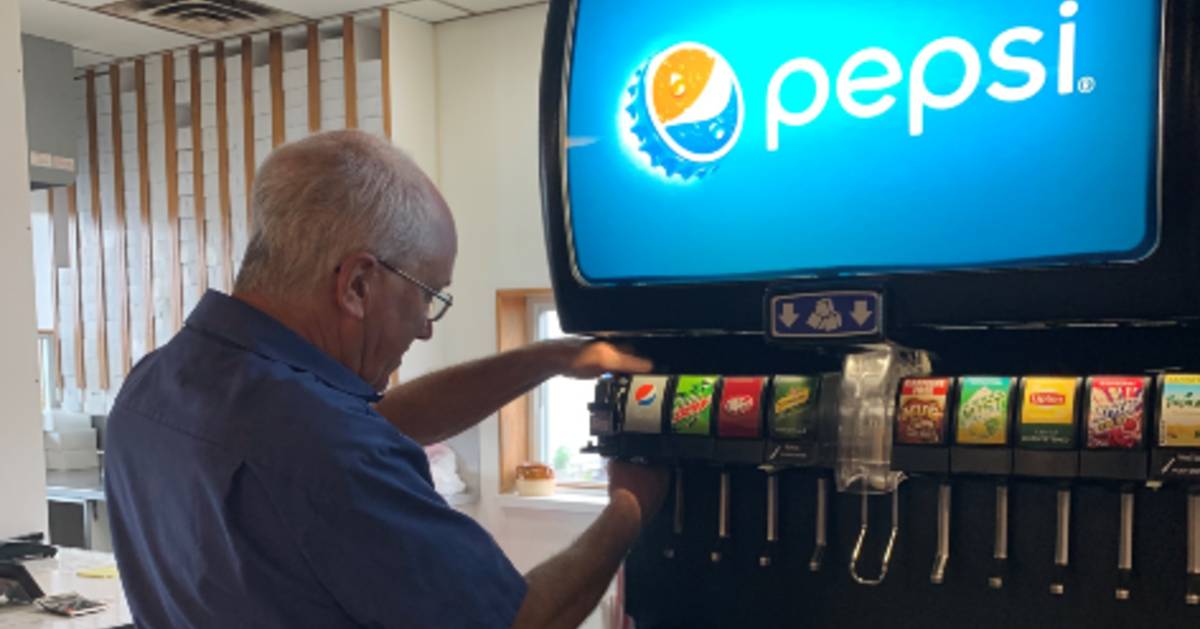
{"x":238,"y":322}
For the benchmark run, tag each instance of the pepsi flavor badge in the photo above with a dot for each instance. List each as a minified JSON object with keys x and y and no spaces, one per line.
{"x":644,"y":404}
{"x":741,"y":410}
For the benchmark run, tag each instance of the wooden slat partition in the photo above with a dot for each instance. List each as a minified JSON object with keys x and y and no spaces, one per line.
{"x":172,"y":168}
{"x":385,"y":28}
{"x":198,"y":200}
{"x":122,"y":261}
{"x":275,"y":42}
{"x":350,"y":72}
{"x":75,"y":238}
{"x":144,"y":219}
{"x":97,"y":231}
{"x":223,"y":171}
{"x":248,"y":124}
{"x":314,"y":78}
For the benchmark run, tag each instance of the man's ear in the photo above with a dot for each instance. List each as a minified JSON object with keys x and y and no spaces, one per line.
{"x":353,"y":292}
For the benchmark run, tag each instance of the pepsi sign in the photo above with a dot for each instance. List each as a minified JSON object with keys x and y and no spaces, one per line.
{"x":715,"y":140}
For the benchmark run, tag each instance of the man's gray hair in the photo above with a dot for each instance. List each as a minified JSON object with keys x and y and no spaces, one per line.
{"x":319,"y":199}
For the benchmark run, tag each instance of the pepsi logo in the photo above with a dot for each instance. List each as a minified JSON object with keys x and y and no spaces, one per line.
{"x":687,"y":110}
{"x":645,"y":395}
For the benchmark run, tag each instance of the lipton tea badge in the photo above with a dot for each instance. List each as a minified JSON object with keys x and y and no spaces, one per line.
{"x":1179,"y":416}
{"x":983,"y":410}
{"x":740,"y":413}
{"x":691,"y":410}
{"x":792,"y":414}
{"x":1116,"y":412}
{"x":1048,"y":413}
{"x":921,"y":412}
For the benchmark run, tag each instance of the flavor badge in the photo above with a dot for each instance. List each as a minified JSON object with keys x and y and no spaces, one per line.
{"x":1116,"y":412}
{"x":1179,"y":419}
{"x":740,"y":413}
{"x":1048,"y":413}
{"x":793,"y":412}
{"x":644,"y":404}
{"x":691,"y":410}
{"x":921,"y":412}
{"x":983,"y":410}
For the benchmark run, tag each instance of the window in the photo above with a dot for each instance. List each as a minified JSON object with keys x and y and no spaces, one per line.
{"x":559,"y":426}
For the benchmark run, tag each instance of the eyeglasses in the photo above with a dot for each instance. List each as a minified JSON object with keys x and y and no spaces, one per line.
{"x":438,"y":302}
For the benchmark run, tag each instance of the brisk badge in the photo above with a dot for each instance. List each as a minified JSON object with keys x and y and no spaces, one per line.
{"x":921,"y":413}
{"x":740,"y":413}
{"x":1116,"y":412}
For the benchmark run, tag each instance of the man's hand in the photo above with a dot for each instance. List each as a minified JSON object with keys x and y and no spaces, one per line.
{"x":644,"y":486}
{"x":585,"y":359}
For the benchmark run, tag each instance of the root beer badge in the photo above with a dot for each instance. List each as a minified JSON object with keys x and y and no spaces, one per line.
{"x":983,"y":410}
{"x":1179,"y":416}
{"x":921,"y":411}
{"x":1116,"y":416}
{"x":1048,"y":413}
{"x":691,"y":410}
{"x":792,"y":413}
{"x":740,"y":413}
{"x":644,"y":404}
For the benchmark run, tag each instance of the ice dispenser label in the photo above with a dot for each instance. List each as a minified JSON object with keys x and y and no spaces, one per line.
{"x":691,"y":411}
{"x":793,"y":408}
{"x":643,"y":408}
{"x":983,"y":411}
{"x":740,"y":414}
{"x":1116,"y":412}
{"x":1179,"y":421}
{"x":921,"y":413}
{"x":1048,"y":413}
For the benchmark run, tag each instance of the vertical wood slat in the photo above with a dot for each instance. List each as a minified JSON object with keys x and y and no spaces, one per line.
{"x":172,"y":168}
{"x":144,"y":220}
{"x":275,"y":43}
{"x":314,"y":78}
{"x":122,"y":261}
{"x":385,"y":64}
{"x":350,"y":72}
{"x":77,"y":281}
{"x":98,"y":231}
{"x":248,"y":124}
{"x":55,"y":320}
{"x":198,"y":200}
{"x":223,"y":171}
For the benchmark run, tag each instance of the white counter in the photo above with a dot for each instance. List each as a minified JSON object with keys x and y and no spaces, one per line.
{"x":58,"y":576}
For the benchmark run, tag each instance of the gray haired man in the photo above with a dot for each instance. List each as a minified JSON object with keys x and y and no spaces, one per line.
{"x":256,"y":477}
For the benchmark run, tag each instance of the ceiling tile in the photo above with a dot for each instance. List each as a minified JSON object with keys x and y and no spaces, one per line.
{"x":321,"y":8}
{"x":479,"y":6}
{"x":95,"y":31}
{"x":85,"y":58}
{"x":429,"y":10}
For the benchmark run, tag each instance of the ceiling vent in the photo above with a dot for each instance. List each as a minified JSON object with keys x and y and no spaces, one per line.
{"x":203,"y":18}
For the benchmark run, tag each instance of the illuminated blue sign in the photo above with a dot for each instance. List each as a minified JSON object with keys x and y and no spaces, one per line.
{"x":712,"y":140}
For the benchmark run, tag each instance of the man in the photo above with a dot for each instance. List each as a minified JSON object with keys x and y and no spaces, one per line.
{"x":255,"y":478}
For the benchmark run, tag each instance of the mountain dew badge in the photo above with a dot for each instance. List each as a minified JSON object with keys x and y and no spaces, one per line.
{"x":691,"y":410}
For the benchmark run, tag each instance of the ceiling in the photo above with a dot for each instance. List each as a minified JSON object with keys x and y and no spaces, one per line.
{"x":99,"y":37}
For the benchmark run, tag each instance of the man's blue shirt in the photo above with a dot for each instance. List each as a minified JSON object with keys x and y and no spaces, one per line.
{"x":251,"y":484}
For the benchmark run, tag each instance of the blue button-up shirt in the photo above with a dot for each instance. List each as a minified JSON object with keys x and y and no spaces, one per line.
{"x":251,"y":484}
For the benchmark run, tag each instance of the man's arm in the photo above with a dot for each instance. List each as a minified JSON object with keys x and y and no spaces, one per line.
{"x":566,"y":588}
{"x":442,"y":404}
